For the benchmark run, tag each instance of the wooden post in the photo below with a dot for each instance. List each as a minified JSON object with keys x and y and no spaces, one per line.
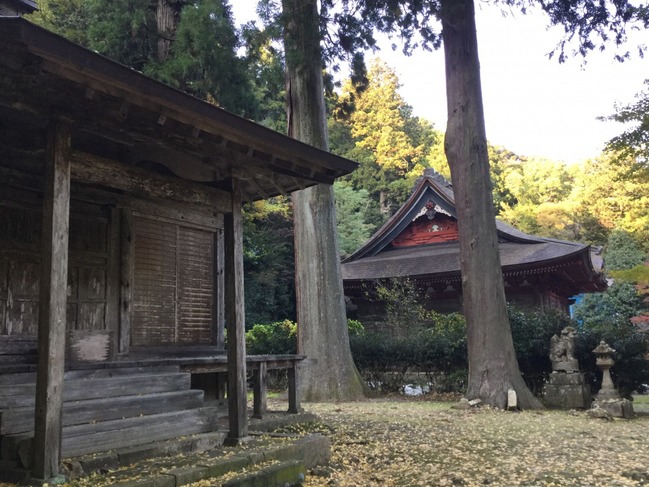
{"x":235,"y":320}
{"x":126,"y":279}
{"x":294,"y":406}
{"x":259,"y":393}
{"x":53,"y":303}
{"x":219,"y":305}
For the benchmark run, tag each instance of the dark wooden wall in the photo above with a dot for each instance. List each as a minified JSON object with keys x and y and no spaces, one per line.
{"x":176,"y":295}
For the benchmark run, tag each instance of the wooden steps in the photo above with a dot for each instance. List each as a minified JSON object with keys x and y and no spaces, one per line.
{"x":105,"y":409}
{"x":20,"y":420}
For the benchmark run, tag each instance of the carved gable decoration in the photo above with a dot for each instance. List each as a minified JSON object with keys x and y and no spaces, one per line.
{"x":424,"y":230}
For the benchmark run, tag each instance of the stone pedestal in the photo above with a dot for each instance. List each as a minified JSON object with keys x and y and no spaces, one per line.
{"x":567,"y":390}
{"x":618,"y":408}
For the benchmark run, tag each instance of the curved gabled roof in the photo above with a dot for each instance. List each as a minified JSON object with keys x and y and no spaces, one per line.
{"x":519,"y":252}
{"x":431,"y":186}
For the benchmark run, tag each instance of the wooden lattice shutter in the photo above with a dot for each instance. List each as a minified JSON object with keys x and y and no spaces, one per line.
{"x":173,"y":300}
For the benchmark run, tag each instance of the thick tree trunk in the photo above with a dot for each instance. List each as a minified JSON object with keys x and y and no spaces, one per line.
{"x":167,"y":16}
{"x":493,"y":368}
{"x":322,"y":321}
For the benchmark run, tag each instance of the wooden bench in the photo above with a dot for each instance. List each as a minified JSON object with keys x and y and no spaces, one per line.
{"x":259,"y":365}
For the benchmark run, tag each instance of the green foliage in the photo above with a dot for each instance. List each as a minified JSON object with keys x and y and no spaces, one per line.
{"x":203,"y":59}
{"x":124,"y":30}
{"x":606,"y":316}
{"x":531,"y":332}
{"x":612,"y":308}
{"x":425,"y":341}
{"x":420,"y":339}
{"x":268,"y":261}
{"x":376,"y":128}
{"x":351,"y":208}
{"x":274,"y":338}
{"x":622,"y":252}
{"x":633,"y":143}
{"x":439,"y":351}
{"x":355,"y":328}
{"x":68,"y":18}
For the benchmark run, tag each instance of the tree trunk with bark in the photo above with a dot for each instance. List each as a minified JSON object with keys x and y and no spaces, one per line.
{"x":493,"y":368}
{"x":167,"y":17}
{"x":322,"y":321}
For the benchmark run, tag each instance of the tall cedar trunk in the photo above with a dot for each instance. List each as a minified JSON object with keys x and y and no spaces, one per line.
{"x":322,"y":322}
{"x":167,"y":15}
{"x":493,"y":368}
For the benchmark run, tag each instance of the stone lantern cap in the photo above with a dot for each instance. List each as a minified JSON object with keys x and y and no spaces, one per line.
{"x":603,"y":349}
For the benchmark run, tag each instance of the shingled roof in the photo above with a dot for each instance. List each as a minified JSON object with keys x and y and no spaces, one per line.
{"x":520,"y":253}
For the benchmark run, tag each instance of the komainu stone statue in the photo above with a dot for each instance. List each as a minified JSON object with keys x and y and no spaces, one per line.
{"x":566,"y":387}
{"x":562,"y":351}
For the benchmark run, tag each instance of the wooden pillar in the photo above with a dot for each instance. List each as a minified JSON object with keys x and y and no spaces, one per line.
{"x":219,"y":305}
{"x":127,"y":254}
{"x":53,"y":303}
{"x":259,"y":393}
{"x":235,"y":320}
{"x":294,"y":405}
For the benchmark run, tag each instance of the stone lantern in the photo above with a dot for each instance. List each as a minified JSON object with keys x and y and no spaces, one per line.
{"x":608,"y":397}
{"x":604,"y":360}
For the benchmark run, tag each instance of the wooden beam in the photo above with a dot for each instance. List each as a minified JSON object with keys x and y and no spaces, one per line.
{"x":235,"y":320}
{"x":53,"y":303}
{"x":90,"y":169}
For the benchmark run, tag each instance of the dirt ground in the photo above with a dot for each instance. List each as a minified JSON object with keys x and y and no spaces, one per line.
{"x":419,"y":443}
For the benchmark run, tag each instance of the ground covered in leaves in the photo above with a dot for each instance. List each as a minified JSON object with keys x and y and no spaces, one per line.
{"x":419,"y":443}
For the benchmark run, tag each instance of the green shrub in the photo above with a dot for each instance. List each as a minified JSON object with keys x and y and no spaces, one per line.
{"x":531,"y":333}
{"x":438,"y":350}
{"x":275,"y":338}
{"x":355,"y":327}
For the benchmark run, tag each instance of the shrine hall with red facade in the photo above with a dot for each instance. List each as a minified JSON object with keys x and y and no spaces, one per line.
{"x":420,"y":242}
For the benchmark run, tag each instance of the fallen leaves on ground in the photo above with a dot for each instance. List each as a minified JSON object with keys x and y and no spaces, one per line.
{"x":416,"y":443}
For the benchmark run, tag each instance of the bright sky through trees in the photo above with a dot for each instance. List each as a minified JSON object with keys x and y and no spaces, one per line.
{"x":534,"y":106}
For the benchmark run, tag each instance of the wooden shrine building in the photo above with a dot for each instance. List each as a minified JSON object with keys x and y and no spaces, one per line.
{"x":420,"y":242}
{"x":121,"y":248}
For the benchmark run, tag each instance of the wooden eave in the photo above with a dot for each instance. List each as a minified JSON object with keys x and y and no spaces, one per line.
{"x":119,"y":114}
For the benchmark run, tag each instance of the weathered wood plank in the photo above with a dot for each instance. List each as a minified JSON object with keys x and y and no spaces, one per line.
{"x":90,"y":169}
{"x":21,"y":420}
{"x":92,"y":438}
{"x":18,"y":344}
{"x":92,"y":373}
{"x":53,"y":303}
{"x":21,"y":395}
{"x":235,"y":319}
{"x":134,"y":431}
